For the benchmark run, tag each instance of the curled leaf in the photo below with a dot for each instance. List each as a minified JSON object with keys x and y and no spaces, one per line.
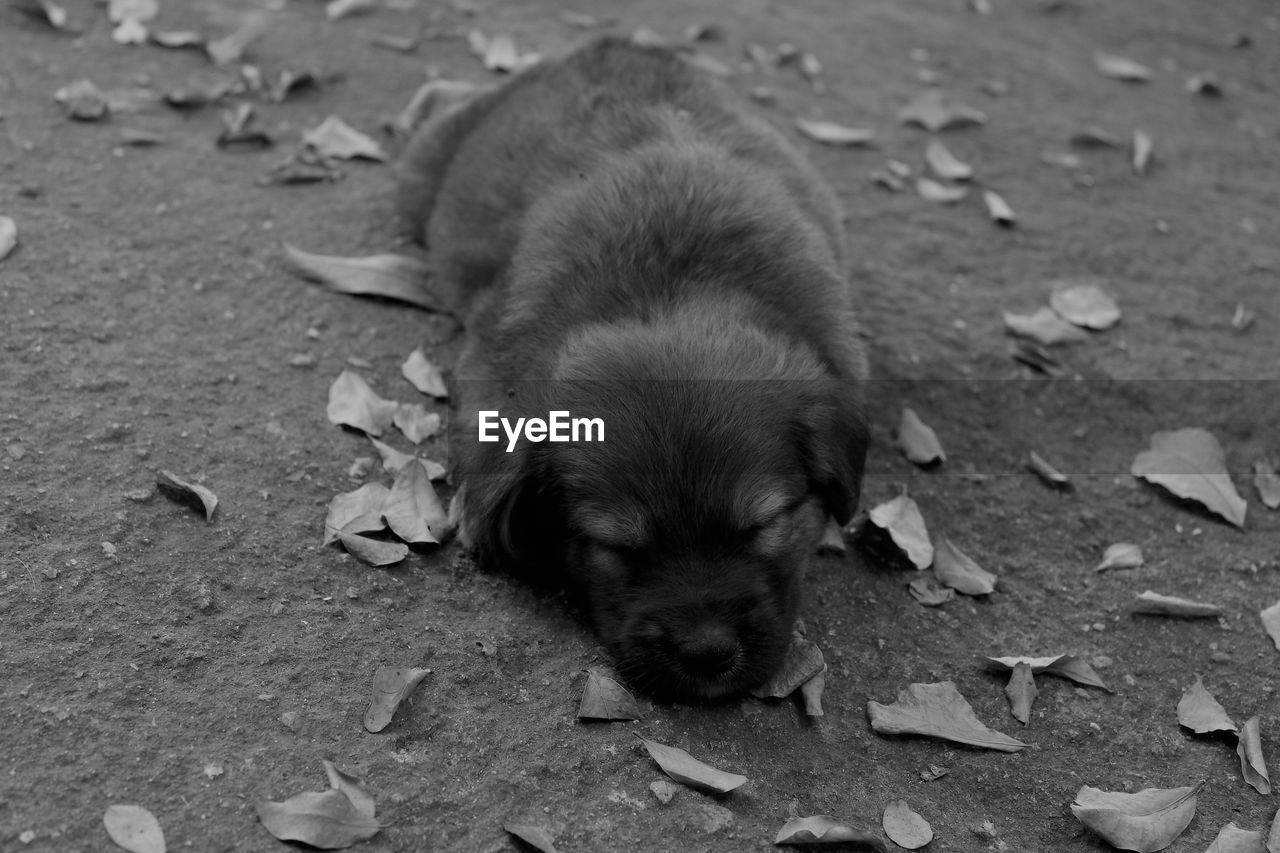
{"x":1083,"y":302}
{"x":83,"y":101}
{"x":1070,"y":667}
{"x":683,"y":767}
{"x":1205,"y":83}
{"x":1191,"y":464}
{"x":8,"y":236}
{"x":375,"y":552}
{"x":231,"y":48}
{"x":389,"y":276}
{"x":603,"y":698}
{"x":1253,"y":767}
{"x":902,"y":520}
{"x":412,"y":510}
{"x":926,"y":590}
{"x":44,"y":11}
{"x":353,"y":787}
{"x":333,"y":137}
{"x":355,"y":512}
{"x":1021,"y":691}
{"x":1095,"y":137}
{"x":830,"y":133}
{"x":1233,"y":839}
{"x":391,"y":685}
{"x":802,"y":662}
{"x":998,"y":209}
{"x":956,"y":570}
{"x":1142,"y":147}
{"x":1265,"y":478}
{"x":1145,"y":822}
{"x":937,"y":710}
{"x":188,"y":493}
{"x":905,"y":827}
{"x":1271,"y":623}
{"x":1122,"y":555}
{"x":821,"y":829}
{"x":917,"y":441}
{"x":932,"y":111}
{"x":944,"y":164}
{"x":134,"y":828}
{"x":424,"y":375}
{"x":930,"y":190}
{"x":1155,"y":604}
{"x":354,"y":404}
{"x":1044,"y":327}
{"x":1200,"y":712}
{"x":1120,"y":68}
{"x":416,"y":422}
{"x":324,"y":819}
{"x":336,"y":10}
{"x":811,"y":693}
{"x":537,"y":837}
{"x":1046,"y":472}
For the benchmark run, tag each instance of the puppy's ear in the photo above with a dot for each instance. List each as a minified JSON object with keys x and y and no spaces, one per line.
{"x":835,"y":447}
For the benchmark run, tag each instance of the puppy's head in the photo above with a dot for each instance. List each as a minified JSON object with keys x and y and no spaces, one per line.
{"x":691,"y":525}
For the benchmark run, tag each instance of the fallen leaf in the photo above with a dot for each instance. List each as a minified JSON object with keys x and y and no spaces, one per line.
{"x":1122,"y":555}
{"x":930,"y":190}
{"x":1205,"y":83}
{"x":1190,"y":464}
{"x":139,"y":10}
{"x":1095,"y":137}
{"x":231,"y":48}
{"x":8,"y":236}
{"x":291,"y":81}
{"x":1120,"y":68}
{"x":1233,"y":839}
{"x":1271,"y":622}
{"x":134,"y":828}
{"x":603,"y":698}
{"x":412,"y":510}
{"x":830,"y":133}
{"x":333,"y":137}
{"x":811,"y":693}
{"x":83,"y":101}
{"x":375,"y":552}
{"x":1038,"y":358}
{"x":902,"y":520}
{"x":1265,"y":478}
{"x":130,"y":31}
{"x":1253,"y":767}
{"x":424,"y":375}
{"x":136,"y":138}
{"x":391,"y":685}
{"x":820,"y":829}
{"x":238,"y":130}
{"x":932,"y":111}
{"x":355,"y":512}
{"x":999,"y":210}
{"x":44,"y":11}
{"x":937,"y":710}
{"x":926,"y":590}
{"x":1061,"y":159}
{"x":905,"y":827}
{"x":802,"y":662}
{"x":832,"y":539}
{"x":431,"y":98}
{"x":1021,"y":691}
{"x":416,"y":422}
{"x":389,"y":276}
{"x":683,"y":767}
{"x":1045,"y":327}
{"x":353,"y":787}
{"x":917,"y":441}
{"x":324,"y":819}
{"x":944,"y":164}
{"x":1200,"y":712}
{"x":1046,"y":472}
{"x":499,"y":53}
{"x":1083,"y":302}
{"x":1273,"y":837}
{"x":354,"y":404}
{"x":178,"y":39}
{"x":958,"y":571}
{"x":400,"y":44}
{"x":337,"y":9}
{"x":1145,"y":822}
{"x":1155,"y":604}
{"x":190,"y":493}
{"x":1141,"y":148}
{"x":1070,"y":667}
{"x":887,"y":180}
{"x":537,"y":837}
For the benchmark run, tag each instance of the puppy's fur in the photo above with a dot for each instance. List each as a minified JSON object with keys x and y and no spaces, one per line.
{"x":632,"y":246}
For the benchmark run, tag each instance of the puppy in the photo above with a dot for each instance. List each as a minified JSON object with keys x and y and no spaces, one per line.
{"x":633,"y":247}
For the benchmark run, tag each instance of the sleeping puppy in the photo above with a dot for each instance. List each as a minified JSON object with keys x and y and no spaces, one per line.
{"x":628,"y":245}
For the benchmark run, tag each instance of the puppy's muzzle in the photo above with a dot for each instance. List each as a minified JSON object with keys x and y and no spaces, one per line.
{"x":708,"y":650}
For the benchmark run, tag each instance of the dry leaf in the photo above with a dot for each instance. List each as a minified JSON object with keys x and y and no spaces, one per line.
{"x":1095,"y":137}
{"x":333,"y":137}
{"x":1061,"y":159}
{"x":904,"y":827}
{"x":683,"y":767}
{"x":811,"y":693}
{"x":917,"y":441}
{"x":537,"y":837}
{"x":1046,"y":472}
{"x":1233,"y":839}
{"x":1253,"y":767}
{"x":231,"y":48}
{"x":830,"y":133}
{"x":1142,"y":148}
{"x":238,"y":129}
{"x":400,"y":44}
{"x":1082,"y":301}
{"x":930,"y":190}
{"x":189,"y":493}
{"x":83,"y":101}
{"x":375,"y":552}
{"x":353,"y":403}
{"x":416,"y":422}
{"x":177,"y":39}
{"x":1119,"y":68}
{"x":905,"y":525}
{"x":8,"y":236}
{"x":832,"y":539}
{"x":1070,"y":667}
{"x":889,"y":181}
{"x":355,"y":512}
{"x":603,"y":698}
{"x":1021,"y":691}
{"x":1045,"y":327}
{"x":820,"y":829}
{"x":412,"y":510}
{"x":1243,"y":318}
{"x":937,"y":710}
{"x":389,"y":276}
{"x":932,"y":111}
{"x":1265,"y":478}
{"x":1205,"y":83}
{"x":1271,"y":622}
{"x":926,"y":590}
{"x":44,"y":11}
{"x":944,"y":164}
{"x":1273,"y":837}
{"x":1038,"y":358}
{"x":1155,"y":604}
{"x":134,"y":828}
{"x":1122,"y":555}
{"x":499,"y":53}
{"x":130,"y":31}
{"x":1190,"y":464}
{"x":956,"y":570}
{"x":424,"y":375}
{"x":1200,"y":712}
{"x":999,"y":210}
{"x":353,"y":787}
{"x":337,"y":9}
{"x":324,"y":819}
{"x":1145,"y":822}
{"x":802,"y":662}
{"x":391,"y":685}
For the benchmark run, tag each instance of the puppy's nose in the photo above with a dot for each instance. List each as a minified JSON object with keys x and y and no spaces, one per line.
{"x":709,"y":649}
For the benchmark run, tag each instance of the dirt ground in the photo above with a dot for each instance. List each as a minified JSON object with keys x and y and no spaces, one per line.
{"x":149,"y":322}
